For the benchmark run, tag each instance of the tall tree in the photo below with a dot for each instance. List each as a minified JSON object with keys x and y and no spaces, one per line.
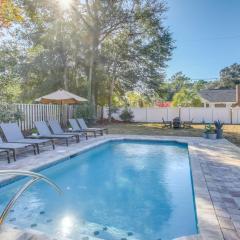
{"x":175,"y":84}
{"x":94,"y":48}
{"x":230,"y":76}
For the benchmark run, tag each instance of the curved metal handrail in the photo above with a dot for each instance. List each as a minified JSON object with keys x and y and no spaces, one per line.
{"x":35,"y":177}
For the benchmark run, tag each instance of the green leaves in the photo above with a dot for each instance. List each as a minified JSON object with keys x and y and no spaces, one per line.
{"x":8,"y":113}
{"x":186,"y":98}
{"x":97,"y":48}
{"x":9,"y":13}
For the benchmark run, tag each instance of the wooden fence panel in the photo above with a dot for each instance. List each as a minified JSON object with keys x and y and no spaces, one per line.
{"x":40,"y":112}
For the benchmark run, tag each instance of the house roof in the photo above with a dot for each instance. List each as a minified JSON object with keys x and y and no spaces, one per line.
{"x":219,"y":95}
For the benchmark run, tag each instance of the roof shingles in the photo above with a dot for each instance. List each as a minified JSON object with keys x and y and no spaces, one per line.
{"x":219,"y":95}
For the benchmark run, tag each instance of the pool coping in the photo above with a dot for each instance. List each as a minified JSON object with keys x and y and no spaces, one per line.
{"x":207,"y":219}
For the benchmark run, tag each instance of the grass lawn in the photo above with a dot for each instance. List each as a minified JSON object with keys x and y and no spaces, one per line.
{"x":231,"y":132}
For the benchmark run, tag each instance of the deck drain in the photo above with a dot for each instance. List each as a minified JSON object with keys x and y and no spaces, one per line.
{"x":49,"y":220}
{"x":42,"y":212}
{"x":12,"y":219}
{"x":129,"y":233}
{"x":105,"y":228}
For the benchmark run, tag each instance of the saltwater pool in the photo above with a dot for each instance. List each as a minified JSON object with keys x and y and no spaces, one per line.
{"x":119,"y":190}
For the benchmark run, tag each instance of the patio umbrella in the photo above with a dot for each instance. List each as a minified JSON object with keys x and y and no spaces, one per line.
{"x":61,"y":97}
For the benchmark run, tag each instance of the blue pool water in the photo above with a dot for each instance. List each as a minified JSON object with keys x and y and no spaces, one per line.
{"x":119,"y":190}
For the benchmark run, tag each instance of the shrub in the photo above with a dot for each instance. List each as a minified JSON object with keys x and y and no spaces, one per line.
{"x":8,"y":114}
{"x":113,"y":109}
{"x":83,"y":111}
{"x":126,"y":115}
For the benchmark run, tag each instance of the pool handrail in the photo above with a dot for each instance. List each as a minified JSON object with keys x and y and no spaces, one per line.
{"x":35,"y":177}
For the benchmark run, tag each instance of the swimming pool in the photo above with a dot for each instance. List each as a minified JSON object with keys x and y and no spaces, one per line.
{"x":116,"y":191}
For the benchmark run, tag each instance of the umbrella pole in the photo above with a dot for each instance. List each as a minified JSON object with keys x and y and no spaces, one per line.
{"x":61,"y":116}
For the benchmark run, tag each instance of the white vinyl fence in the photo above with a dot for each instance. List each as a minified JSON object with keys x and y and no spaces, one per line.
{"x":39,"y":112}
{"x":195,"y":114}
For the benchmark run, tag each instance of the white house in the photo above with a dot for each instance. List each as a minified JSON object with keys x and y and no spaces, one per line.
{"x":221,"y":97}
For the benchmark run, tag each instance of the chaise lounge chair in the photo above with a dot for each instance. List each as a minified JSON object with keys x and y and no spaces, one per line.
{"x":13,"y":134}
{"x":7,"y":153}
{"x":44,"y":132}
{"x":74,"y":125}
{"x":85,"y":128}
{"x":15,"y":146}
{"x":187,"y":124}
{"x":57,"y":129}
{"x":167,"y":124}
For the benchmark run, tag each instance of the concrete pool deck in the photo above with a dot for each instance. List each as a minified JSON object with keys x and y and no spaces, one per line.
{"x":215,"y":168}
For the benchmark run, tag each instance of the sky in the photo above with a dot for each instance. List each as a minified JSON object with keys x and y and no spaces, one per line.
{"x":206,"y":34}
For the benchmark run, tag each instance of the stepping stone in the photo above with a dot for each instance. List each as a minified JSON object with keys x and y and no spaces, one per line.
{"x":33,"y":225}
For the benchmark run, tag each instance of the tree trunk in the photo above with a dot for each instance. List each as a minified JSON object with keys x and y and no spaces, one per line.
{"x":65,"y":79}
{"x":92,"y":85}
{"x":111,"y":88}
{"x":102,"y":109}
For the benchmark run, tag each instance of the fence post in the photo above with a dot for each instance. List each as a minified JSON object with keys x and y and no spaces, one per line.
{"x":231,"y":115}
{"x":212,"y":114}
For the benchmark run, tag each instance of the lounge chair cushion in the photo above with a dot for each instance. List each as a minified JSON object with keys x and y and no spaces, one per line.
{"x":42,"y":128}
{"x":45,"y":132}
{"x":55,"y":126}
{"x":32,"y":141}
{"x":86,"y":128}
{"x":12,"y":145}
{"x":11,"y":131}
{"x":74,"y":124}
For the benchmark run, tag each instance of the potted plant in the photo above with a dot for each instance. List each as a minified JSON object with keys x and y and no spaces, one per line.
{"x":34,"y":132}
{"x":210,"y":132}
{"x":205,"y":133}
{"x":219,"y":131}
